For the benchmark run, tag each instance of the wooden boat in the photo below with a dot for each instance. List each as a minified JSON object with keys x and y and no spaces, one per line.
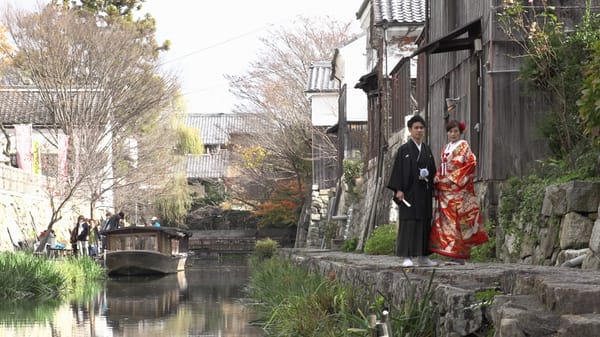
{"x":145,"y":250}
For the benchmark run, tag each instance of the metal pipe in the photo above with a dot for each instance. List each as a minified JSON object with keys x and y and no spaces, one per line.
{"x":502,"y":71}
{"x":574,"y":262}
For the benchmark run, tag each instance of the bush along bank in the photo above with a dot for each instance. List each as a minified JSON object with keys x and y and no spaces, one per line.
{"x":26,"y":276}
{"x":290,"y":301}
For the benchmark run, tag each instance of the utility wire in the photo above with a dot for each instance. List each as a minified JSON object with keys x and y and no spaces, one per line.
{"x":214,"y":45}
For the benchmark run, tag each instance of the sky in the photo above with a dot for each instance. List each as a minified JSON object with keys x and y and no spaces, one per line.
{"x":212,"y":38}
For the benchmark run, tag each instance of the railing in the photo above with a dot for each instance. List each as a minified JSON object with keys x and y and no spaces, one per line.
{"x":223,"y":244}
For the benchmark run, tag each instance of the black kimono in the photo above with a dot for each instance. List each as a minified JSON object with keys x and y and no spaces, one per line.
{"x":415,"y":221}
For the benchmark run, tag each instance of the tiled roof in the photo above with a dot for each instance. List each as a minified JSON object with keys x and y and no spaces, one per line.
{"x":207,"y":166}
{"x":22,"y":105}
{"x":399,"y":11}
{"x":319,"y":79}
{"x":216,"y":128}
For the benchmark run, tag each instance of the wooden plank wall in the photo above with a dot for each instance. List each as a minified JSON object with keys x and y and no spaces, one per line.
{"x":324,"y":160}
{"x":401,"y":95}
{"x":450,"y":73}
{"x":508,"y":142}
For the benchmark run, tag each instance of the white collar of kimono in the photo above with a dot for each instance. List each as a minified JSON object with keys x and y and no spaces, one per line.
{"x":417,"y":144}
{"x":452,"y":145}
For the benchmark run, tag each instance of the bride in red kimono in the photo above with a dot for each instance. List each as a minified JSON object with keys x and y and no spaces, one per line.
{"x":457,"y":224}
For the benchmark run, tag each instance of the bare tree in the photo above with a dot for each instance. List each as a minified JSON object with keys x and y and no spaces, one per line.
{"x":273,"y":90}
{"x":101,"y":85}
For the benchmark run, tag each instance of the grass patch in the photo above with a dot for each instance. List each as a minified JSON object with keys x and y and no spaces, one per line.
{"x":26,"y":276}
{"x":382,"y":241}
{"x":290,"y":301}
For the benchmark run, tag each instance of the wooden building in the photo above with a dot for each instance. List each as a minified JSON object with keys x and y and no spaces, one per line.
{"x":322,"y":92}
{"x":469,"y":71}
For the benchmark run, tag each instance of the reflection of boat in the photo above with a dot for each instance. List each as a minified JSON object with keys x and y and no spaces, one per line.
{"x":138,"y":298}
{"x":146,"y":250}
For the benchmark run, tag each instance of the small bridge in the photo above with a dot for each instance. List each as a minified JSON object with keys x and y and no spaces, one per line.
{"x":221,"y":242}
{"x":223,"y":245}
{"x":218,"y":242}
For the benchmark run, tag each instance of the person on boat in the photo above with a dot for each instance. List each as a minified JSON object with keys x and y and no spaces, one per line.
{"x":155,"y":222}
{"x":114,"y":222}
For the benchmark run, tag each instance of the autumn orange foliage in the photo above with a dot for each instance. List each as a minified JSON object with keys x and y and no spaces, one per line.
{"x":283,"y":207}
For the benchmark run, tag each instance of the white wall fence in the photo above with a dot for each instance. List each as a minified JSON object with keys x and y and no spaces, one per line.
{"x":19,"y":181}
{"x":25,"y":208}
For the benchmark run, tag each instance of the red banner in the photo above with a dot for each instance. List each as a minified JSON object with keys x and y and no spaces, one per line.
{"x":63,"y":147}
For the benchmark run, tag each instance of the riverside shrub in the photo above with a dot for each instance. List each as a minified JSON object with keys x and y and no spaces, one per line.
{"x":382,"y":241}
{"x":266,"y":248}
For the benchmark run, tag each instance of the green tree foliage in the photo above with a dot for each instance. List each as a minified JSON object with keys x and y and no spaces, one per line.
{"x":112,"y":11}
{"x":589,"y":104}
{"x":188,"y":141}
{"x":553,"y":64}
{"x":214,"y":195}
{"x":174,"y":204}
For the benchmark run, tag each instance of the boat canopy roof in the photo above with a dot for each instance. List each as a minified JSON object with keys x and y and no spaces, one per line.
{"x":170,"y":231}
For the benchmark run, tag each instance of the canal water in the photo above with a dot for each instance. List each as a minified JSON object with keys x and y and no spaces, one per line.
{"x":204,"y":301}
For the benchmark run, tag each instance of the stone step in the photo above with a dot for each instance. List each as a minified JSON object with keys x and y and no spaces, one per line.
{"x":525,"y":315}
{"x":531,"y":300}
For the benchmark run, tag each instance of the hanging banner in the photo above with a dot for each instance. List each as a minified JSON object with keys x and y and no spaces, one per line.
{"x":76,"y":149}
{"x":23,"y":140}
{"x":63,"y":148}
{"x":37,"y":158}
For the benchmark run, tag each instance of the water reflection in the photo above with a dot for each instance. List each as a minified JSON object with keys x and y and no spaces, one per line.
{"x":203,"y":301}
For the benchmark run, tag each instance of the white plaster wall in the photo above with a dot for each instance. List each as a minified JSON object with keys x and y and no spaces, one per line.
{"x":25,"y":209}
{"x":353,"y":61}
{"x":47,"y":139}
{"x":324,"y":108}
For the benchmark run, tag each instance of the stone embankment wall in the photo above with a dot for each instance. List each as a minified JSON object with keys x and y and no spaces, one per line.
{"x":25,"y":209}
{"x":569,"y":233}
{"x":482,"y":299}
{"x":319,"y":218}
{"x":366,"y":204}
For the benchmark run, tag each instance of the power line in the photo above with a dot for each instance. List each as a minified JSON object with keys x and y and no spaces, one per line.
{"x":214,"y":45}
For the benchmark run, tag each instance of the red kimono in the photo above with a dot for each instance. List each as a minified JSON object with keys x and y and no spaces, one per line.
{"x":457,"y":224}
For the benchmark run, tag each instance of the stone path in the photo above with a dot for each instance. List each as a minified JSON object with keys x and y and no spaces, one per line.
{"x":531,"y":301}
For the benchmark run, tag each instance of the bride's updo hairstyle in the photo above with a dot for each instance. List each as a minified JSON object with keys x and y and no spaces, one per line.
{"x":455,"y":124}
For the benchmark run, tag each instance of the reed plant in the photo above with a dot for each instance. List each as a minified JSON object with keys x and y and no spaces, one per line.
{"x":83,"y":277}
{"x":290,"y":301}
{"x":24,"y":276}
{"x":80,"y":271}
{"x":415,"y":316}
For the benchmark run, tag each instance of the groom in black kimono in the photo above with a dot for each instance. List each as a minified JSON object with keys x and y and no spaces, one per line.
{"x":412,"y":182}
